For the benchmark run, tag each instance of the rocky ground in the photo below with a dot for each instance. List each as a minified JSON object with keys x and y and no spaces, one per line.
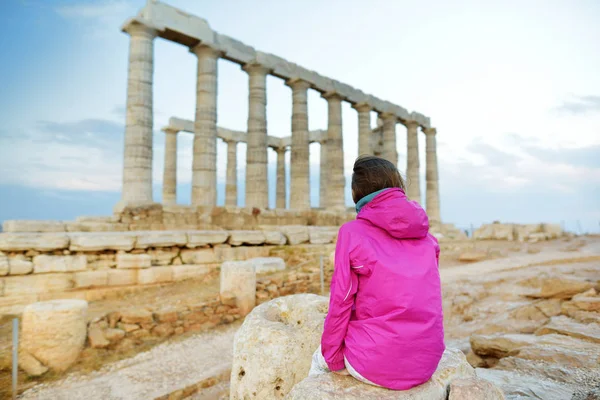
{"x":528,"y":318}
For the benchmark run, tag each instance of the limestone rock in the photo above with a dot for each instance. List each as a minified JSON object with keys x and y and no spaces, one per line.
{"x":474,"y":389}
{"x":495,"y":232}
{"x":550,"y":307}
{"x":136,"y":316}
{"x":30,"y":364}
{"x":33,"y":241}
{"x":567,"y":326}
{"x":113,"y":334}
{"x":198,"y":256}
{"x":453,"y":365}
{"x":155,"y":275}
{"x":125,"y":261}
{"x":296,"y":234}
{"x":18,"y":267}
{"x":160,"y":239}
{"x":4,"y":267}
{"x":181,"y":272}
{"x":517,"y":385}
{"x":102,"y":241}
{"x":499,"y":345}
{"x":203,"y":238}
{"x":33,"y":226}
{"x":237,"y":238}
{"x":54,"y":332}
{"x":88,"y":279}
{"x":322,"y":235}
{"x":162,"y":257}
{"x":576,"y":356}
{"x":32,"y":284}
{"x":472,"y":256}
{"x":562,"y":287}
{"x":44,"y":263}
{"x":274,"y":237}
{"x":273,"y":348}
{"x":97,"y":339}
{"x":122,"y":277}
{"x":267,"y":264}
{"x":239,"y":278}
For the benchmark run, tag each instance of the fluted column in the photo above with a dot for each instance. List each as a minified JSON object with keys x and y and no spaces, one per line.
{"x":412,"y":161}
{"x":231,"y":178}
{"x":257,"y":186}
{"x":323,"y":170}
{"x":299,"y":157}
{"x":390,"y":152}
{"x":280,"y":201}
{"x":204,"y":163}
{"x":169,"y":194}
{"x":334,"y":192}
{"x":137,"y":157}
{"x":364,"y":128}
{"x":432,"y":194}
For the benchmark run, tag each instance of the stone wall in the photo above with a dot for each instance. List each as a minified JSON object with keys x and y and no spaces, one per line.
{"x":45,"y":266}
{"x":523,"y":233}
{"x":157,"y":217}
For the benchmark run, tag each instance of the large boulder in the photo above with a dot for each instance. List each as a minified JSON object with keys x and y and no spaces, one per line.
{"x":329,"y":386}
{"x":567,"y":326}
{"x":517,"y":385}
{"x":474,"y":389}
{"x":54,"y":332}
{"x":562,"y":287}
{"x":273,"y":349}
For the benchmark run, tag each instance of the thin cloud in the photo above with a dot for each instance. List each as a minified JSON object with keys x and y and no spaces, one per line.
{"x":99,"y":18}
{"x":580,"y":105}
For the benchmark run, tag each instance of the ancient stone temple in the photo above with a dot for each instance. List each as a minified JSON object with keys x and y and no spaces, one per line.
{"x":158,"y":20}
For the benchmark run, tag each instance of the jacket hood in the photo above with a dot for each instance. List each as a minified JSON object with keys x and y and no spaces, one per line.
{"x":401,"y":218}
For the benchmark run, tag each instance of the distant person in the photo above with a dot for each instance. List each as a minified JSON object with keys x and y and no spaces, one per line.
{"x":385,"y":322}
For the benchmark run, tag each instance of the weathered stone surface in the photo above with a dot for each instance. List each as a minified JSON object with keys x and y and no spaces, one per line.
{"x":160,"y":239}
{"x":181,"y":272}
{"x":572,"y":355}
{"x":237,"y":238}
{"x":122,"y":277}
{"x":273,"y":348}
{"x":550,"y":307}
{"x":472,"y":256}
{"x":30,"y":284}
{"x":45,"y":263}
{"x":203,"y":238}
{"x":86,"y":279}
{"x":33,"y":241}
{"x":162,"y":257}
{"x":96,"y":227}
{"x":33,"y":226}
{"x":265,"y":265}
{"x":54,"y":332}
{"x":296,"y":234}
{"x":567,"y":326}
{"x":136,"y":316}
{"x":322,"y":235}
{"x":102,"y":241}
{"x":474,"y":389}
{"x":163,"y":330}
{"x":4,"y":267}
{"x":239,"y":277}
{"x":274,"y":237}
{"x":517,"y":385}
{"x":113,"y":334}
{"x":562,"y":287}
{"x":96,"y":338}
{"x":30,"y":364}
{"x":452,"y":366}
{"x":125,"y":261}
{"x":18,"y":267}
{"x":499,"y":345}
{"x":155,"y":275}
{"x":495,"y":232}
{"x":199,"y":256}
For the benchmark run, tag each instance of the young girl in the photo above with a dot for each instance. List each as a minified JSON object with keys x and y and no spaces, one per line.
{"x":385,"y":323}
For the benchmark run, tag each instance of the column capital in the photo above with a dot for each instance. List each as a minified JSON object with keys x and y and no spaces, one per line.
{"x":362,"y":107}
{"x":429,"y":131}
{"x":206,"y":49}
{"x":135,"y":27}
{"x":280,"y":150}
{"x":410,"y":123}
{"x":386,"y":116}
{"x":332,"y":95}
{"x":170,"y":131}
{"x":297,"y":83}
{"x":256,"y":68}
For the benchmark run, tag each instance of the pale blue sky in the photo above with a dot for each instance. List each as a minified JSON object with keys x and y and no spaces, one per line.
{"x":512,"y":86}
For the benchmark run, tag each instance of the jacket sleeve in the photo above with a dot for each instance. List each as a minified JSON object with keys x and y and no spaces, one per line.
{"x":344,"y":285}
{"x":436,"y":246}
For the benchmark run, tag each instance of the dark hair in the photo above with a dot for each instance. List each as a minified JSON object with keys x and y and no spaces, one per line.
{"x":371,"y":174}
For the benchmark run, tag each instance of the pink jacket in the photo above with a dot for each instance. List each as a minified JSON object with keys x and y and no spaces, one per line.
{"x":385,"y":311}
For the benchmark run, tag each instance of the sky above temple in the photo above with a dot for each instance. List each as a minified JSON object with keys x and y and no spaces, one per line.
{"x":513,"y":88}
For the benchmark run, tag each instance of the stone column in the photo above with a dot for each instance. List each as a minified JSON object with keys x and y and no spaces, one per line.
{"x":231,"y":179}
{"x":432,"y":194}
{"x":364,"y":128}
{"x":323,"y":173}
{"x":412,"y":161}
{"x":169,"y":194}
{"x":390,"y":152}
{"x":334,"y":192}
{"x":299,"y":157}
{"x":137,"y":159}
{"x":257,"y":185}
{"x":204,"y":163}
{"x":280,"y":203}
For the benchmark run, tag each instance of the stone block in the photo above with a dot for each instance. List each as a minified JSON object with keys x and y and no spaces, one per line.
{"x":265,"y":265}
{"x":160,"y":239}
{"x":204,"y":238}
{"x":19,"y":267}
{"x":87,"y":279}
{"x":296,"y":234}
{"x":4,"y":266}
{"x":102,"y":241}
{"x":45,"y":263}
{"x":162,"y":257}
{"x":96,"y":227}
{"x":125,"y":261}
{"x":237,"y":238}
{"x":113,"y":334}
{"x":136,"y":316}
{"x":33,"y":241}
{"x":96,"y":338}
{"x":274,"y":237}
{"x":33,"y":226}
{"x":239,"y":278}
{"x":181,"y":272}
{"x":198,"y":256}
{"x":155,"y":275}
{"x":322,"y":235}
{"x":32,"y":284}
{"x":122,"y":277}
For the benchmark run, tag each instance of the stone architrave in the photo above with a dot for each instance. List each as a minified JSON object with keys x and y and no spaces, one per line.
{"x":336,"y":181}
{"x":231,"y":180}
{"x":280,"y":203}
{"x":432,"y":194}
{"x":413,"y":186}
{"x":364,"y":128}
{"x":169,"y":194}
{"x":137,"y":162}
{"x":390,"y":152}
{"x":257,"y":189}
{"x":299,"y":157}
{"x":204,"y":163}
